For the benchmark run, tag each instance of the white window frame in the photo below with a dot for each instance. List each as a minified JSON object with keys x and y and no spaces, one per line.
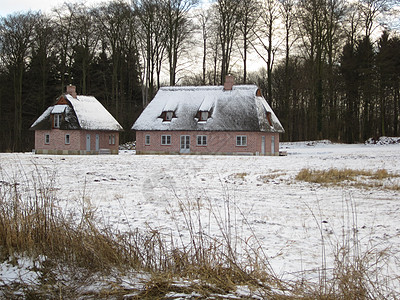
{"x":201,"y":140}
{"x":113,"y":139}
{"x":67,"y":139}
{"x":166,"y":140}
{"x":241,"y":140}
{"x":147,"y":139}
{"x":57,"y":120}
{"x":47,"y":139}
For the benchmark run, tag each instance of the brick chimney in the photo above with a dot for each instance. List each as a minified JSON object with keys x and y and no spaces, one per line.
{"x":71,"y":89}
{"x":229,"y":82}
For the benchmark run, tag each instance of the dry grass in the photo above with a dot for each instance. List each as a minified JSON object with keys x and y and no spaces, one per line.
{"x":35,"y":225}
{"x":350,"y":177}
{"x":273,"y":175}
{"x":78,"y":252}
{"x":239,"y":175}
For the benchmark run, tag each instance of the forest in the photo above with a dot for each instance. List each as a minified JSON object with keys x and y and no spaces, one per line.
{"x":330,"y":69}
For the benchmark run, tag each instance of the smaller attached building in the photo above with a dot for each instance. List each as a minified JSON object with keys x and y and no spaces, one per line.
{"x":76,"y":125}
{"x":229,"y":119}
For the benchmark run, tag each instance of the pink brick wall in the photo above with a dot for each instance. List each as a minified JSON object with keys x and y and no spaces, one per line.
{"x":217,"y":142}
{"x":77,"y":143}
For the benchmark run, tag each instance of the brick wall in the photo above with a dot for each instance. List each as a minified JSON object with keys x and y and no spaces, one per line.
{"x":217,"y":142}
{"x":77,"y":141}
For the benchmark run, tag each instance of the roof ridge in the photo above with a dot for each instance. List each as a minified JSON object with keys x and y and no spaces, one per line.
{"x":205,"y":87}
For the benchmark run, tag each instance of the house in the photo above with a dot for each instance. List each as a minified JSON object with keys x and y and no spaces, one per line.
{"x":76,"y":125}
{"x":230,"y":119}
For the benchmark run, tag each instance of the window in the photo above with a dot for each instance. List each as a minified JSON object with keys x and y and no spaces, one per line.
{"x":111,"y":139}
{"x":67,"y":139}
{"x":147,"y":139}
{"x":47,"y":138}
{"x":168,"y":115}
{"x":203,"y":116}
{"x":241,"y":140}
{"x":201,"y":140}
{"x":57,"y":120}
{"x":165,"y":140}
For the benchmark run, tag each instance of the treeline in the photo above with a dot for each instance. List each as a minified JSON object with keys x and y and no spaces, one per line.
{"x":325,"y":66}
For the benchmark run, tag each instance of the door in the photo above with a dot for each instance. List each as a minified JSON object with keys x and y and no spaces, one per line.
{"x":88,"y":142}
{"x":185,"y":144}
{"x":263,"y":145}
{"x":97,"y":142}
{"x":273,"y":145}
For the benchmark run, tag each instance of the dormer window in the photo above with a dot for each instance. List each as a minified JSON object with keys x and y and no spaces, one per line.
{"x":57,"y":120}
{"x":203,"y":115}
{"x":57,"y":112}
{"x":167,"y":116}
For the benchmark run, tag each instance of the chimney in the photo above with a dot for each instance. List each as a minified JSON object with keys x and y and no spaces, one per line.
{"x":229,"y":82}
{"x":71,"y":89}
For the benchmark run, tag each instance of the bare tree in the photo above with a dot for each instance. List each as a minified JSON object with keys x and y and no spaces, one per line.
{"x":287,"y":12}
{"x":370,"y":10}
{"x":64,"y":16}
{"x":214,"y":47}
{"x":179,"y":28}
{"x":333,"y":18}
{"x":86,"y":34}
{"x":352,"y":23}
{"x":249,"y":13}
{"x":312,"y":29}
{"x":270,"y":15}
{"x":227,"y":19}
{"x":152,"y":38}
{"x":203,"y":18}
{"x":115,"y":21}
{"x":43,"y":59}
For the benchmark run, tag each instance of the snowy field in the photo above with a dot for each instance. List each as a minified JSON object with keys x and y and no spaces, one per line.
{"x":256,"y":199}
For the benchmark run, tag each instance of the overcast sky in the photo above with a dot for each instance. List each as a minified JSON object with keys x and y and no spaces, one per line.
{"x":11,"y":6}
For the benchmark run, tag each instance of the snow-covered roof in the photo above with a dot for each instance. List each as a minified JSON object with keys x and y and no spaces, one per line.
{"x":239,"y":109}
{"x":82,"y":112}
{"x":59,"y":109}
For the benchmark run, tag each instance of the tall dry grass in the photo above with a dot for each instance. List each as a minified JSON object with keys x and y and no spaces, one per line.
{"x":359,"y":267}
{"x":33,"y":223}
{"x":380,"y":178}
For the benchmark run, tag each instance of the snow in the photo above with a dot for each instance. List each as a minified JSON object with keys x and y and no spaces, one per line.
{"x":92,"y":115}
{"x":43,"y":116}
{"x":22,"y":270}
{"x":383,"y":140}
{"x":59,"y":109}
{"x":238,"y":109}
{"x":291,"y":221}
